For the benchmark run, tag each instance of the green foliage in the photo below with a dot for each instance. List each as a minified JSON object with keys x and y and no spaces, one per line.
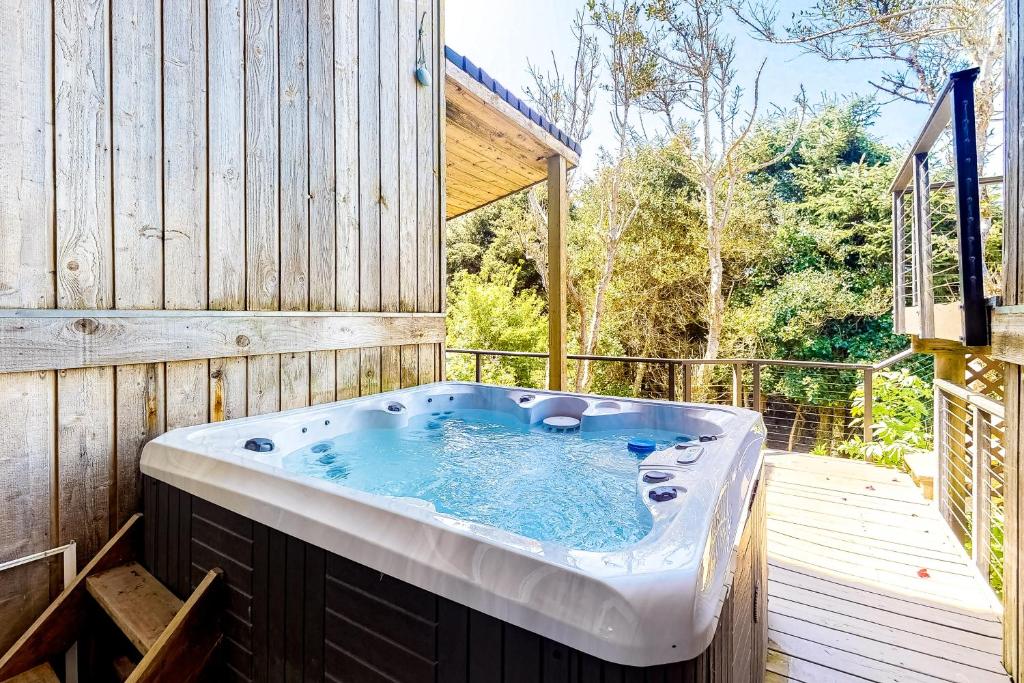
{"x":900,"y":414}
{"x":488,"y":311}
{"x":806,"y":256}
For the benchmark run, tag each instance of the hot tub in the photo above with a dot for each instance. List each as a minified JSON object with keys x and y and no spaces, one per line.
{"x":430,"y":533}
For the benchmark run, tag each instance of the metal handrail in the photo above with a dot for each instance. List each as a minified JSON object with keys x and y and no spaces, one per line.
{"x":685,"y":365}
{"x":971,"y":459}
{"x":680,"y":361}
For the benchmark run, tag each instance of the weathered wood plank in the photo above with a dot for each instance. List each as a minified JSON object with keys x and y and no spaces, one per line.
{"x":789,"y":669}
{"x":347,"y":374}
{"x":369,"y":371}
{"x":390,"y":368}
{"x":138,"y":172}
{"x":27,"y":473}
{"x":930,"y":634}
{"x":347,"y":123}
{"x":899,"y":640}
{"x":322,"y":235}
{"x":293,"y":141}
{"x":28,"y":401}
{"x":182,"y":650}
{"x":426,"y":181}
{"x":294,"y":380}
{"x":85,"y":403}
{"x":427,"y":354}
{"x":71,"y":339}
{"x":187,"y":393}
{"x":407,"y":151}
{"x":83,"y":156}
{"x":390,"y":245}
{"x":369,"y":156}
{"x":322,"y":372}
{"x":85,"y":446}
{"x":294,"y":150}
{"x":137,"y":38}
{"x":185,"y":148}
{"x":26,"y":155}
{"x":264,"y":384}
{"x":440,"y":133}
{"x":138,"y":604}
{"x":262,"y":180}
{"x":410,"y":366}
{"x":883,"y":656}
{"x":845,"y":585}
{"x":185,"y":184}
{"x":140,"y":418}
{"x":228,"y":388}
{"x":226,"y":100}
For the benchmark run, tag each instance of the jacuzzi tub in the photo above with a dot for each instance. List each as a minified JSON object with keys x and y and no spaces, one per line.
{"x":649,"y":602}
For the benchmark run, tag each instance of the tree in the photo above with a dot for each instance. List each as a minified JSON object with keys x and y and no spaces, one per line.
{"x":696,"y":74}
{"x":628,"y":69}
{"x":487,"y":310}
{"x":922,"y":41}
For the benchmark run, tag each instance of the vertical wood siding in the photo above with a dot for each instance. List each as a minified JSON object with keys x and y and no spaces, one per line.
{"x":202,"y":154}
{"x":1013,"y":294}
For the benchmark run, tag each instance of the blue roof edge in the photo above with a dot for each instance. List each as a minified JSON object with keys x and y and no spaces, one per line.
{"x":486,"y":80}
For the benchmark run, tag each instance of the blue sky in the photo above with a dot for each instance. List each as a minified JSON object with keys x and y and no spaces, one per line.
{"x":501,"y":35}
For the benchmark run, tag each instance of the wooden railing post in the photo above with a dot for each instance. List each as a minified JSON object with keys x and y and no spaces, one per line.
{"x":558,"y":219}
{"x":687,"y":382}
{"x":737,"y":385}
{"x":869,"y":403}
{"x":756,"y":390}
{"x":477,"y":363}
{"x":671,"y":381}
{"x":981,"y":519}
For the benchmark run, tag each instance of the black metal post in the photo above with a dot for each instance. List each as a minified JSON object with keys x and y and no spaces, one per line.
{"x":972,"y":266}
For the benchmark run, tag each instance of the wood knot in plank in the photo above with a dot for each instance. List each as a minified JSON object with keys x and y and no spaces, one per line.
{"x":242,"y":340}
{"x":86,"y":326}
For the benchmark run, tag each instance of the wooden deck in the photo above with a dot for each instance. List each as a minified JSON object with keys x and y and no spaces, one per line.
{"x":866,"y":582}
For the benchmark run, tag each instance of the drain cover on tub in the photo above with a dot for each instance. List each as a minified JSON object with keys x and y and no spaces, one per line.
{"x":561,"y":423}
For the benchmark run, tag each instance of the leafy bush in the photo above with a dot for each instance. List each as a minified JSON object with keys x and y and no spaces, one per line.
{"x":900,"y":417}
{"x":485,"y":311}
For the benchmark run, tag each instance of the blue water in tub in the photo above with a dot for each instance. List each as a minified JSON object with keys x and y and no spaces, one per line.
{"x":577,"y":489}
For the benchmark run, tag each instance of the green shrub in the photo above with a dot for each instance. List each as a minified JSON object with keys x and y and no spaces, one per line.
{"x":900,"y":414}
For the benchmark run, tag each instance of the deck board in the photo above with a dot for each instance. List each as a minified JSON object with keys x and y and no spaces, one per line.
{"x":846,"y":543}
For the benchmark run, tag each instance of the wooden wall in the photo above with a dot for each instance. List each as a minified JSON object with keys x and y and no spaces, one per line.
{"x":222,"y":155}
{"x":1013,"y":295}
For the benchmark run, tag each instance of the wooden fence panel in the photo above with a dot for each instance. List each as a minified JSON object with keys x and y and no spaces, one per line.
{"x":27,"y":400}
{"x":204,"y":155}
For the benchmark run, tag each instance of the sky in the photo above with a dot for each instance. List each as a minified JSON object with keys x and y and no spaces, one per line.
{"x":502,"y":36}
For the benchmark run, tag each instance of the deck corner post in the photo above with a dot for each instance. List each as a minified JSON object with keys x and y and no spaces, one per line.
{"x":756,"y":390}
{"x":558,"y":218}
{"x":869,"y":401}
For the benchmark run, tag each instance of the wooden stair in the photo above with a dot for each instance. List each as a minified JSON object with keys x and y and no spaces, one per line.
{"x":43,"y":673}
{"x":173,"y":639}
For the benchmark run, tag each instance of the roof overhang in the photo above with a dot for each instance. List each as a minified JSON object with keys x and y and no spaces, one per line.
{"x":495,"y":145}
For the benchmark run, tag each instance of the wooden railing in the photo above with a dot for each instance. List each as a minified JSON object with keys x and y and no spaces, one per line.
{"x":970,"y":487}
{"x":819,"y":421}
